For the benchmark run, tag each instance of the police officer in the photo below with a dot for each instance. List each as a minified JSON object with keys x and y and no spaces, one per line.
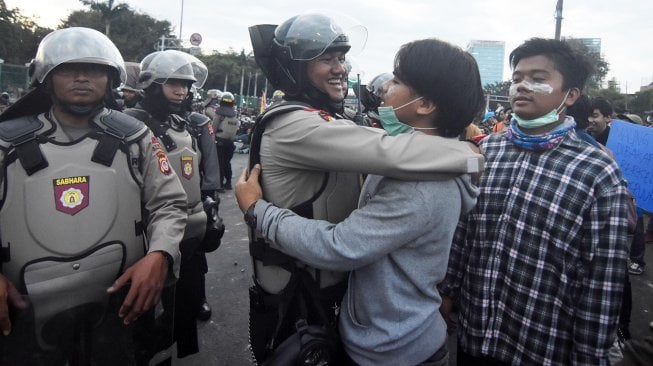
{"x":166,"y":78}
{"x":131,"y":94}
{"x":213,"y":102}
{"x":226,"y":126}
{"x":82,"y":266}
{"x":310,"y":159}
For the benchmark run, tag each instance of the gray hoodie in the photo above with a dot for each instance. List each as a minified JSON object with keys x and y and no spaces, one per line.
{"x":396,"y":245}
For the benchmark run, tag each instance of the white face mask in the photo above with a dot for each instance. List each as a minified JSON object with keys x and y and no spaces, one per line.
{"x":546,"y":119}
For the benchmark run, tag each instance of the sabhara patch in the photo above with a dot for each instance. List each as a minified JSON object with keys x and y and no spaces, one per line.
{"x":164,"y":164}
{"x":71,"y":194}
{"x":187,"y":167}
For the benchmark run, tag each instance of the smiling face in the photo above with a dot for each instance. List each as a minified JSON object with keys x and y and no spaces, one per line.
{"x":537,"y":88}
{"x":328,"y":74}
{"x":80,"y":84}
{"x":597,"y":122}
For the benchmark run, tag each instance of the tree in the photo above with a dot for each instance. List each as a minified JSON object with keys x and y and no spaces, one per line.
{"x":130,"y":23}
{"x":20,"y":36}
{"x":601,"y":67}
{"x":231,"y":65}
{"x":107,"y":11}
{"x":498,"y":88}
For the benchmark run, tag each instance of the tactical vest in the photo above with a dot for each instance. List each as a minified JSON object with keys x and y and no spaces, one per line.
{"x":71,"y":215}
{"x":179,"y":138}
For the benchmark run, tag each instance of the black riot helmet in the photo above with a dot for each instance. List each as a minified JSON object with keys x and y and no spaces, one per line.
{"x":283,"y":51}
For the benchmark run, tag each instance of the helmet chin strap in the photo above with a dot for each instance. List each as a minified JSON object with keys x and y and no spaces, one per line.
{"x":320,"y":99}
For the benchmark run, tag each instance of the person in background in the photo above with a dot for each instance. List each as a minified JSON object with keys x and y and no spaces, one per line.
{"x":226,"y":125}
{"x":131,"y":94}
{"x":599,"y":120}
{"x":543,"y":252}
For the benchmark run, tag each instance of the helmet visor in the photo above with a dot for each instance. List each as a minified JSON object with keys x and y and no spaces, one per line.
{"x":173,"y":64}
{"x":76,"y":45}
{"x":309,"y":35}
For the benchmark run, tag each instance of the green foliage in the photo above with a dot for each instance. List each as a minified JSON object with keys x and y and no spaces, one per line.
{"x":601,"y":67}
{"x":123,"y":29}
{"x":20,"y":36}
{"x":107,"y":11}
{"x":497,"y":88}
{"x":232,"y":66}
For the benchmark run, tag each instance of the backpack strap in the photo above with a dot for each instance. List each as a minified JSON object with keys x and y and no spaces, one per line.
{"x":258,"y":248}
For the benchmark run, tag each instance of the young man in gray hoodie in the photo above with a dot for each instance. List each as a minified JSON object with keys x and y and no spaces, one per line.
{"x":396,"y":244}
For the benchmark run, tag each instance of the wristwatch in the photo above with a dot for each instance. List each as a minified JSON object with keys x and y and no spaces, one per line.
{"x":250,"y":216}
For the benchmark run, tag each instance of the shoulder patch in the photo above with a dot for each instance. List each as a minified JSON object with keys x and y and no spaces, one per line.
{"x":164,"y":164}
{"x":322,"y":113}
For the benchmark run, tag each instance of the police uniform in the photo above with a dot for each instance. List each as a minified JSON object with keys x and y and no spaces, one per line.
{"x":226,"y":126}
{"x":189,"y":144}
{"x":69,"y":201}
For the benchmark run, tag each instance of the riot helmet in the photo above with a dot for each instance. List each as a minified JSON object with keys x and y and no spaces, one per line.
{"x":133,"y":70}
{"x":158,"y":67}
{"x":227,"y":104}
{"x":283,"y":51}
{"x":76,"y":45}
{"x":227,"y":99}
{"x":214,"y":94}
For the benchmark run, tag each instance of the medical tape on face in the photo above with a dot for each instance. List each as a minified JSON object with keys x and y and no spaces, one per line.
{"x":539,"y":88}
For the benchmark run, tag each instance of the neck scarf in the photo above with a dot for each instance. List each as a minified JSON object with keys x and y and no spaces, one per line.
{"x":542,"y":142}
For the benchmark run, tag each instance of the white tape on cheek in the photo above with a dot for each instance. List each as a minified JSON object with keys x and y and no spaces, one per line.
{"x":539,"y":88}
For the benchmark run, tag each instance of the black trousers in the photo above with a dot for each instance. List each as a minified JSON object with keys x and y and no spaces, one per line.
{"x":186,"y":298}
{"x":225,"y":149}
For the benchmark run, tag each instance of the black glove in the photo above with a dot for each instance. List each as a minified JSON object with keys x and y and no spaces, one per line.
{"x":214,"y":225}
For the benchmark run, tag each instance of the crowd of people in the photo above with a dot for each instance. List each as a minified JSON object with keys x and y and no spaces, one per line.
{"x":374,"y":235}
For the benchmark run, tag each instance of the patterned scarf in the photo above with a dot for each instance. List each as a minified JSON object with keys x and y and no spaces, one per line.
{"x":542,"y":142}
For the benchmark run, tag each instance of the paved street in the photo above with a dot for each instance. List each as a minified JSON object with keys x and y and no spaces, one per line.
{"x":223,"y":339}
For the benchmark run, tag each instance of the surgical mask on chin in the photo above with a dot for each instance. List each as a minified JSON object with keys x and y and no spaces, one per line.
{"x":544,"y":120}
{"x":391,"y":123}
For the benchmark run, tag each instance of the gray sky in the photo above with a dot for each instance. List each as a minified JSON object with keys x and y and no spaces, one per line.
{"x":624,"y":26}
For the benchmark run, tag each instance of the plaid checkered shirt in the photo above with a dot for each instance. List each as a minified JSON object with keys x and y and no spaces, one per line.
{"x":538,"y":265}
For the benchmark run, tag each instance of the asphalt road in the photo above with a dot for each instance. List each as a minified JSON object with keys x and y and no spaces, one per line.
{"x":224,"y":338}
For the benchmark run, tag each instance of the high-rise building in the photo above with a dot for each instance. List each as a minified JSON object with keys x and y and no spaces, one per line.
{"x":592,"y":44}
{"x":489,"y":56}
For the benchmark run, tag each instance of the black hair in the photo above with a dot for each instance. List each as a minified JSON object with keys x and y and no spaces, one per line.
{"x":581,"y":110}
{"x":603,"y":105}
{"x":574,"y":66}
{"x":447,"y":76}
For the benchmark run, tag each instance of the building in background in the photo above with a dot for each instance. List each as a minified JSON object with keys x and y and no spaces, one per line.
{"x":490,"y":58}
{"x":592,"y":44}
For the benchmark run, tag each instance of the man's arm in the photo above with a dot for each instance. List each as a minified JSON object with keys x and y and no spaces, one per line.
{"x":305,"y":141}
{"x":605,"y":245}
{"x":8,"y":296}
{"x":165,"y":201}
{"x":361,"y":239}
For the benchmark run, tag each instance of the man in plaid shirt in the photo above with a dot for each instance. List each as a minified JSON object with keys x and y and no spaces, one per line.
{"x":537,"y":266}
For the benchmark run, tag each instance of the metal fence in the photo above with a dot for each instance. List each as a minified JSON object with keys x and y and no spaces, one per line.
{"x":14,"y":79}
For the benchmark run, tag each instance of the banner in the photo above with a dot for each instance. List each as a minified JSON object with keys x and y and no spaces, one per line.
{"x":264,"y":101}
{"x":630,"y":144}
